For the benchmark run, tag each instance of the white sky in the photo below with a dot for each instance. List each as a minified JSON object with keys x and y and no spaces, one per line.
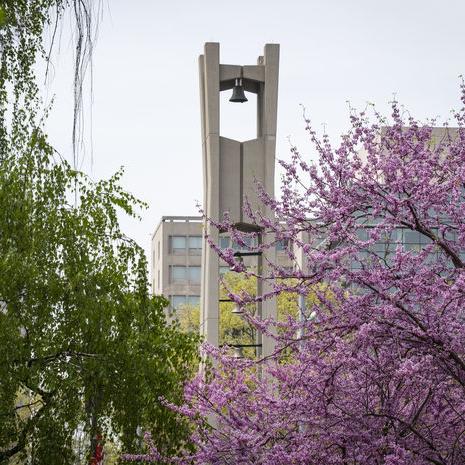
{"x":146,"y":113}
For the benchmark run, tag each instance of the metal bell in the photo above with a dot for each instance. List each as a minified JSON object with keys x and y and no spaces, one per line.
{"x":239,"y":260}
{"x":238,"y":352}
{"x":237,"y":310}
{"x":238,"y":92}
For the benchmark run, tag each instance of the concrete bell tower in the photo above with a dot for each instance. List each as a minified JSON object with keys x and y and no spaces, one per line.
{"x":230,"y":167}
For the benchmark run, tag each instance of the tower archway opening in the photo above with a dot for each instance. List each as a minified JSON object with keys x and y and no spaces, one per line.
{"x":238,"y":121}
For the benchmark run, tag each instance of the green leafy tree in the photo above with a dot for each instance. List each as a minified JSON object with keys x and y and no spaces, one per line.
{"x":82,"y":344}
{"x":233,"y":328}
{"x":84,"y":349}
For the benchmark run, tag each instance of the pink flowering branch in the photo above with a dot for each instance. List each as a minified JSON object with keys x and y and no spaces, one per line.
{"x":376,"y":375}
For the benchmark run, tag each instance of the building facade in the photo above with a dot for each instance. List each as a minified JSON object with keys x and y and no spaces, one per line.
{"x":176,"y":259}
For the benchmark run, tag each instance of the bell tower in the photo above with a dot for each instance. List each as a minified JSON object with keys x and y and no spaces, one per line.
{"x":230,"y":168}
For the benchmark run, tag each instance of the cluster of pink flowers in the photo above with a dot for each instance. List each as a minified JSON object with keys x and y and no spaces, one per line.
{"x":376,"y":375}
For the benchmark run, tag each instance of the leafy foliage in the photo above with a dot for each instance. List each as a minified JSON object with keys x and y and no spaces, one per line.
{"x":234,"y":328}
{"x":84,"y":349}
{"x":83,"y":344}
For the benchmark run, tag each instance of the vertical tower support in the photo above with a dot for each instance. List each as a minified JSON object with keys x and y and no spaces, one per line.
{"x":230,"y":168}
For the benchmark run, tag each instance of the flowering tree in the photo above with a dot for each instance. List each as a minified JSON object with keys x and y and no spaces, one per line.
{"x":377,"y":374}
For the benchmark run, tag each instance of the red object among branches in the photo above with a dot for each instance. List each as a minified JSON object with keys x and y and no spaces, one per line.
{"x":98,"y":457}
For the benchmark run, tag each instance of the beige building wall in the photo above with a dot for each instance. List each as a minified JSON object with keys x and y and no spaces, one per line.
{"x":165,"y":255}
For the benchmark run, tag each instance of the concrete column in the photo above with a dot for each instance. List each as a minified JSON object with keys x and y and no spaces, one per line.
{"x":269,"y":103}
{"x":301,"y":263}
{"x":210,"y":104}
{"x":230,"y":167}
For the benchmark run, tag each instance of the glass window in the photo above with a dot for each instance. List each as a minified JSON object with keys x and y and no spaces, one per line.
{"x":380,"y":248}
{"x":177,"y":274}
{"x":361,"y":258}
{"x":177,"y":301}
{"x":281,"y":245}
{"x":159,"y":279}
{"x":450,"y":235}
{"x":224,"y":270}
{"x":411,"y":237}
{"x":224,"y":242}
{"x":362,"y":234}
{"x":411,"y":240}
{"x":193,"y":300}
{"x":249,"y":242}
{"x":194,"y":274}
{"x":178,"y":244}
{"x":195,"y":245}
{"x":425,"y":239}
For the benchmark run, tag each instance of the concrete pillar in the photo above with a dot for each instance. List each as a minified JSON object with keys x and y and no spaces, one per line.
{"x":230,"y":167}
{"x":210,"y":108}
{"x":302,"y":265}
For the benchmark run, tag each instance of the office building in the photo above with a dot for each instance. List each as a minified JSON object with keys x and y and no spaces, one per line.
{"x":176,"y":259}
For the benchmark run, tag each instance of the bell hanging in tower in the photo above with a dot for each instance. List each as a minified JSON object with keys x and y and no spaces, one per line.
{"x":238,"y":94}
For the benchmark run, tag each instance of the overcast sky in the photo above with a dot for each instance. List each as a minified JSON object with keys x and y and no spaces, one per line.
{"x":145,"y":111}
